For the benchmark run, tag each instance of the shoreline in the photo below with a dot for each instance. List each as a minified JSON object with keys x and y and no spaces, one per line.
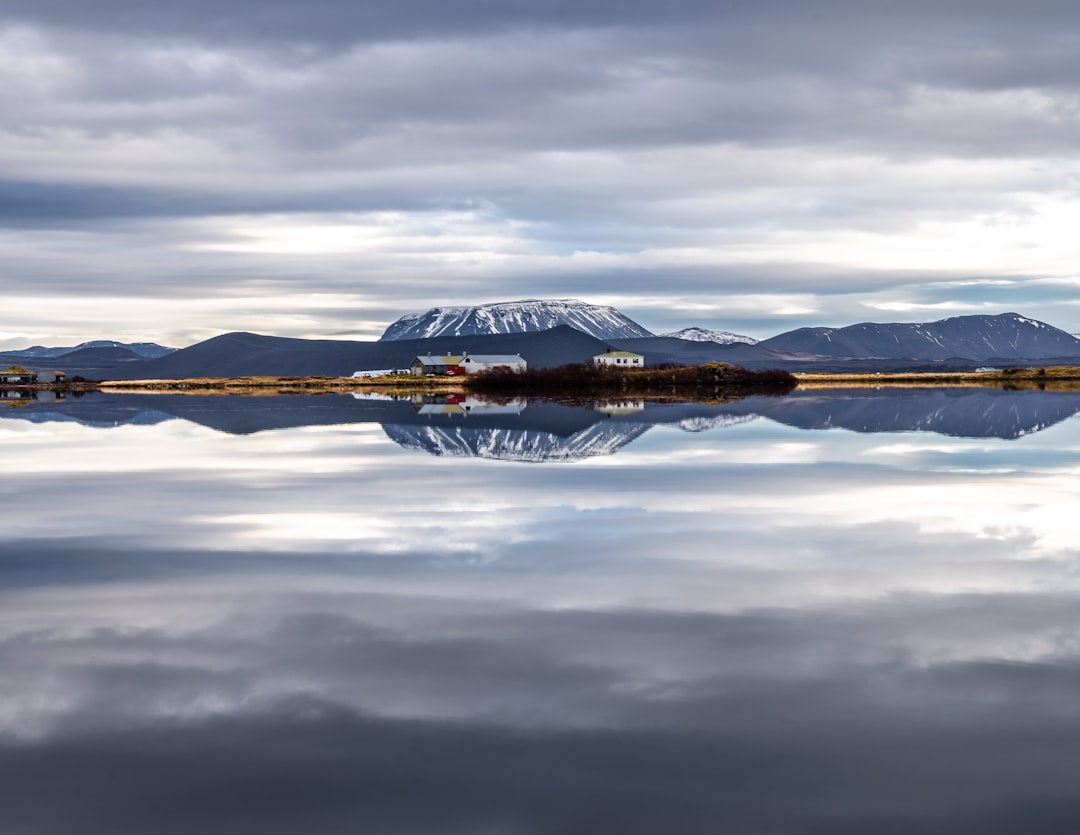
{"x":1051,"y":378}
{"x":284,"y":385}
{"x":1061,"y":378}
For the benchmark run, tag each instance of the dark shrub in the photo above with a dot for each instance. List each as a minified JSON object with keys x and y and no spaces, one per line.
{"x":585,"y":379}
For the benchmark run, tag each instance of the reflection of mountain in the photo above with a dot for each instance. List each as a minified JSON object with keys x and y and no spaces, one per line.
{"x":516,"y":444}
{"x":703,"y":424}
{"x":960,"y":412}
{"x":547,"y":431}
{"x":538,"y":431}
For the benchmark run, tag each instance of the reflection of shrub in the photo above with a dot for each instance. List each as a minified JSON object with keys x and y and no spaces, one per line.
{"x":585,"y":379}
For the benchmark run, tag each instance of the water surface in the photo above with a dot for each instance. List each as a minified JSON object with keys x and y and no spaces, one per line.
{"x":854,"y":612}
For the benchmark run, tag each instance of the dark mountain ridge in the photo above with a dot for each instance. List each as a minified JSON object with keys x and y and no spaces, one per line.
{"x":145,"y":350}
{"x":959,"y":343}
{"x":979,"y":338}
{"x":249,"y":354}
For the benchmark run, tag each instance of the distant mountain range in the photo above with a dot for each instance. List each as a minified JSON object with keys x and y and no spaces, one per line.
{"x":958,"y":343}
{"x":526,"y":316}
{"x":706,"y":335}
{"x":243,"y":354}
{"x":961,"y":337}
{"x":146,"y":350}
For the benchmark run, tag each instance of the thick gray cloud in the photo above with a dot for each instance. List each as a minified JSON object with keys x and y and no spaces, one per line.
{"x":847,"y":159}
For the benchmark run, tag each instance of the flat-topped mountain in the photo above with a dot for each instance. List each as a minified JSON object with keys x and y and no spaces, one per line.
{"x":1007,"y":335}
{"x":524,"y":316}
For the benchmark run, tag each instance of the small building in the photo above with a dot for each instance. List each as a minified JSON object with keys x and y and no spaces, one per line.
{"x":620,"y":359}
{"x":454,"y":366}
{"x":16,"y":375}
{"x":440,"y":366}
{"x":52,"y":377}
{"x":485,"y":362}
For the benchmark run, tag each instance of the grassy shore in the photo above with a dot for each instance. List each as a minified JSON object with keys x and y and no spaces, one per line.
{"x":1061,"y":378}
{"x":391,"y":384}
{"x":77,"y":386}
{"x":585,"y":379}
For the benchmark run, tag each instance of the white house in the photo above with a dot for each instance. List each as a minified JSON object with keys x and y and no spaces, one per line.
{"x":482,"y":362}
{"x":620,"y":359}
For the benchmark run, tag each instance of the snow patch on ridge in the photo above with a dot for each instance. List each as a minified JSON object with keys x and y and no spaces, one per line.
{"x":694,"y":334}
{"x":525,"y":316}
{"x":703,"y":424}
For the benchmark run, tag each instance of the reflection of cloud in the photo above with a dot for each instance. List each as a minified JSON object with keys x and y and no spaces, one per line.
{"x":151,"y":651}
{"x":433,"y":703}
{"x":312,"y":629}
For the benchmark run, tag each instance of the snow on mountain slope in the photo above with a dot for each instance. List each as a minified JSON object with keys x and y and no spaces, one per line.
{"x":515,"y":317}
{"x":969,"y":337}
{"x":706,"y":335}
{"x":148,"y":350}
{"x":703,"y":424}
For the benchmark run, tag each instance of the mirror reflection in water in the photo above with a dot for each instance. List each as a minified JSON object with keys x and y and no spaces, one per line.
{"x":848,"y":611}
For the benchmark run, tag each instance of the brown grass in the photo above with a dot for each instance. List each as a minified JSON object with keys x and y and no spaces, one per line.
{"x":1061,"y":378}
{"x":262,"y":386}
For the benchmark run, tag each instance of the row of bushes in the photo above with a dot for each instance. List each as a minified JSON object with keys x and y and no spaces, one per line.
{"x":587,"y":379}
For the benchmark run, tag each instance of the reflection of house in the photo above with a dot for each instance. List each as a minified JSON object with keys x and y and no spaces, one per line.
{"x":438,"y":404}
{"x":18,"y":394}
{"x":620,"y":359}
{"x":17,"y":375}
{"x":620,"y":407}
{"x":451,"y":366}
{"x":461,"y":404}
{"x":444,"y":366}
{"x":485,"y":362}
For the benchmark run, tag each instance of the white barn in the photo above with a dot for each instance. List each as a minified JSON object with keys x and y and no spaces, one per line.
{"x":620,"y":359}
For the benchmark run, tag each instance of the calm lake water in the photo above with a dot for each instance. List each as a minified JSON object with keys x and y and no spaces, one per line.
{"x":847,"y":612}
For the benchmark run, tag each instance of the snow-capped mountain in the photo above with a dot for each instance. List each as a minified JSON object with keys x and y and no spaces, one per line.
{"x":706,"y":335}
{"x":149,"y":350}
{"x":1007,"y":335}
{"x":515,"y":317}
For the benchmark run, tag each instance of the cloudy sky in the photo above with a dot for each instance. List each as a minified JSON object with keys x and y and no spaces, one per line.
{"x":172,"y":171}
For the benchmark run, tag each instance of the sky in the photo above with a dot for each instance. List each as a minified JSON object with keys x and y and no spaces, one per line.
{"x":169,"y":172}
